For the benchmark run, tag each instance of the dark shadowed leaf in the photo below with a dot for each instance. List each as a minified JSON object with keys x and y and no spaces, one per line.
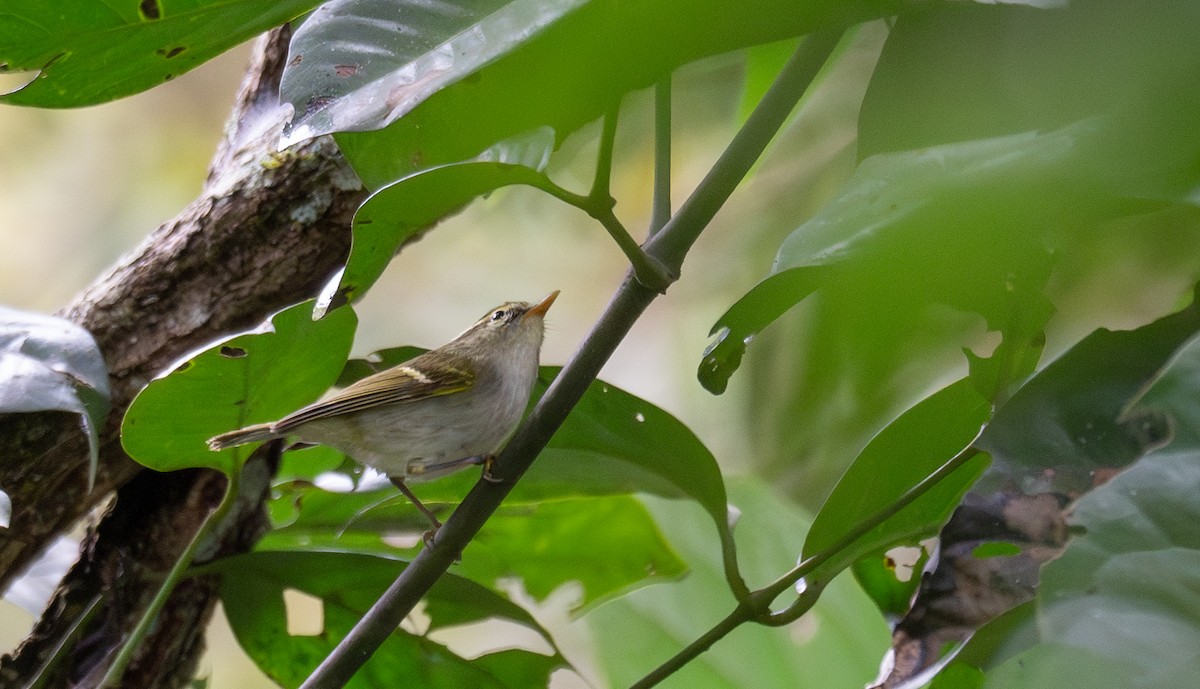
{"x":1069,"y":417}
{"x":1125,"y":589}
{"x":250,"y":378}
{"x":48,"y":363}
{"x":347,"y":584}
{"x":87,"y":52}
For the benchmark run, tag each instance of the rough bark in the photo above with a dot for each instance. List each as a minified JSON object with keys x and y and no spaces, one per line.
{"x":267,"y":231}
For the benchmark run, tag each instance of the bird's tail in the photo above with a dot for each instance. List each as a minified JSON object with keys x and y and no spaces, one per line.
{"x":241,"y":436}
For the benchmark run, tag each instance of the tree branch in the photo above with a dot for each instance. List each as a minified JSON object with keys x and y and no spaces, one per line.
{"x":669,"y":246}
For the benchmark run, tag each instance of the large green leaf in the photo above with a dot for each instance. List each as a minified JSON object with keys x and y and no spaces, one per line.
{"x":252,"y":588}
{"x":911,"y":448}
{"x":250,"y":378}
{"x":574,"y":70}
{"x":832,"y":646}
{"x":89,"y":52}
{"x":50,"y":363}
{"x":1059,"y":438}
{"x":608,"y":545}
{"x":358,"y":65}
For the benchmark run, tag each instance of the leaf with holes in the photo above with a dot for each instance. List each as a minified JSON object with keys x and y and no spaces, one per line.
{"x":251,"y":378}
{"x":348,"y":584}
{"x":88,"y":52}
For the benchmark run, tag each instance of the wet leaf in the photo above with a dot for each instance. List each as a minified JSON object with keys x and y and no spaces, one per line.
{"x":357,"y":65}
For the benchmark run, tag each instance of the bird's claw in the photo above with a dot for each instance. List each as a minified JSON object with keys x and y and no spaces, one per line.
{"x":487,"y":471}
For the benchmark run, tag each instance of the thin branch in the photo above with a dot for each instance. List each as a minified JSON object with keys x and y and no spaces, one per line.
{"x":669,"y":246}
{"x":732,"y":621}
{"x":661,"y":211}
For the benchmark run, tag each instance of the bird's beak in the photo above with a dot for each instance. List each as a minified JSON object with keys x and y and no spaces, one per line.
{"x":542,"y":307}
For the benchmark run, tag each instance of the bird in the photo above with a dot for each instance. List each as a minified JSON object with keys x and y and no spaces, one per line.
{"x":442,"y":411}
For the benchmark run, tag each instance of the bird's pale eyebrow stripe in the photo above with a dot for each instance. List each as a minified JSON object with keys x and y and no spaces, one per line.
{"x":421,"y":377}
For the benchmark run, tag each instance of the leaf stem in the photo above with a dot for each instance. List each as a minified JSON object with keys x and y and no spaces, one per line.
{"x":602,"y":182}
{"x":661,"y":211}
{"x":179,"y":571}
{"x":670,"y":247}
{"x":599,"y":205}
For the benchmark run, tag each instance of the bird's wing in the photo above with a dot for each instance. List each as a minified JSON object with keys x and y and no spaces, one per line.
{"x":429,"y":375}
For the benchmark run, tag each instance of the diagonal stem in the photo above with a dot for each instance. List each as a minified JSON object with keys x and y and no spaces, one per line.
{"x":669,"y":246}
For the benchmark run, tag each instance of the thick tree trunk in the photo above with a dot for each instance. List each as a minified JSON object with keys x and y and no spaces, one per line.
{"x":267,"y":231}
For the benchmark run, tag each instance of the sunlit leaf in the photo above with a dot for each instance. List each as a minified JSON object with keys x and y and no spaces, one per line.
{"x":87,"y":52}
{"x":250,"y":378}
{"x":608,"y":545}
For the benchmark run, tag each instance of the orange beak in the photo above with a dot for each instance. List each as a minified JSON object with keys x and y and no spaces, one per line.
{"x":542,"y":307}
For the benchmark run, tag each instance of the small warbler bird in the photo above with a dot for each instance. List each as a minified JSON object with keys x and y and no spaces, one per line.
{"x":447,"y":409}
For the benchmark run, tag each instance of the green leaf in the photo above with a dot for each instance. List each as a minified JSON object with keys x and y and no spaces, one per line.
{"x":348,"y":71}
{"x":89,"y":52}
{"x":609,"y":545}
{"x":399,"y":211}
{"x":251,"y":378}
{"x":252,"y":588}
{"x":902,"y":455}
{"x":49,"y":363}
{"x":834,"y":645}
{"x":573,"y":71}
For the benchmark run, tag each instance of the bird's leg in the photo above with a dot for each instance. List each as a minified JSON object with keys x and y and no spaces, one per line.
{"x":487,"y":470}
{"x":428,"y":537}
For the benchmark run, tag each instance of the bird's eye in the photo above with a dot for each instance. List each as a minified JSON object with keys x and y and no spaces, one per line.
{"x":498,"y":315}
